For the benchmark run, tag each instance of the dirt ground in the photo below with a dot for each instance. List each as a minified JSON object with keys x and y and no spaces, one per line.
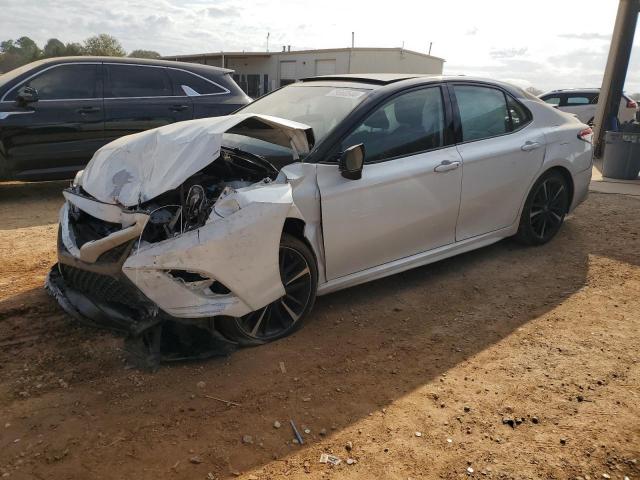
{"x":416,"y":374}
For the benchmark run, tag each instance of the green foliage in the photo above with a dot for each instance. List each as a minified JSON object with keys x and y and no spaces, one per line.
{"x":144,"y":54}
{"x":15,"y":53}
{"x":103,"y":45}
{"x":73,"y":50}
{"x":54,"y":48}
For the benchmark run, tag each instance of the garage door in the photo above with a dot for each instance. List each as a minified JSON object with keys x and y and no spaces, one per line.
{"x":325,"y":67}
{"x":288,"y":70}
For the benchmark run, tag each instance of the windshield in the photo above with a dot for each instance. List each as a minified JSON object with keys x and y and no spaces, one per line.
{"x":320,"y":107}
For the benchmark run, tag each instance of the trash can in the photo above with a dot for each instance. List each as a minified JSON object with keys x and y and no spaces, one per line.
{"x":621,"y":155}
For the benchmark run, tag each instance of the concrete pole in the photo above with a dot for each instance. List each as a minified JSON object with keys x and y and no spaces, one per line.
{"x":615,"y":72}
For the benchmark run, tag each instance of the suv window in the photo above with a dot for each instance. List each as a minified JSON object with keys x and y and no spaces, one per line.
{"x":409,"y":123}
{"x":64,"y":82}
{"x":520,"y":116}
{"x":186,"y":83}
{"x":553,"y":99}
{"x":483,"y":112}
{"x":136,"y":81}
{"x":578,"y":100}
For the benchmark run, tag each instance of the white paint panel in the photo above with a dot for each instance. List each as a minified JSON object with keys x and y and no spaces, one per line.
{"x":288,"y":70}
{"x":326,"y":67}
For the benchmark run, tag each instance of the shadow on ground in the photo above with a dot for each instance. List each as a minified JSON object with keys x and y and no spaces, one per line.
{"x":362,"y":349}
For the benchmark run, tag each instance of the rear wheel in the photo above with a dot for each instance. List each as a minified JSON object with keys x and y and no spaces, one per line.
{"x":285,"y":315}
{"x":544,"y":210}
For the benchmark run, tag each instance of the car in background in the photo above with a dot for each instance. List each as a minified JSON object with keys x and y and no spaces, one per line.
{"x":583,"y":102}
{"x":55,"y":113}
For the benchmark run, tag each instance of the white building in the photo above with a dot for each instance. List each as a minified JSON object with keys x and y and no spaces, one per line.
{"x":260,"y":72}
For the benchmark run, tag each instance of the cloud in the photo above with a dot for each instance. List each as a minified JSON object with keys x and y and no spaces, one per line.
{"x":219,"y":12}
{"x":585,"y":36}
{"x":508,"y":52}
{"x":472,"y":31}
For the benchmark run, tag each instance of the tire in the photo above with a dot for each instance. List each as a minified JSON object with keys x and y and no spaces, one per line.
{"x":299,"y":275}
{"x":544,"y":210}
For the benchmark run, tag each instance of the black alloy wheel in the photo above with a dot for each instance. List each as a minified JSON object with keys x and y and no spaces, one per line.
{"x":285,"y":315}
{"x":544,"y":210}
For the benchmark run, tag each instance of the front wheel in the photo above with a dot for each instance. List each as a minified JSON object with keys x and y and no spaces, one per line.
{"x":544,"y":210}
{"x":299,"y":275}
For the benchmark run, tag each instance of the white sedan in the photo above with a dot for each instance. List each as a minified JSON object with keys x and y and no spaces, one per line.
{"x":227,"y":228}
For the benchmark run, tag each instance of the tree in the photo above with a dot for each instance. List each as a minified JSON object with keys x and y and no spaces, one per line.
{"x":74,"y":49}
{"x":16,"y":53}
{"x":534,"y":91}
{"x":144,"y":54}
{"x":54,"y":48}
{"x":103,"y":45}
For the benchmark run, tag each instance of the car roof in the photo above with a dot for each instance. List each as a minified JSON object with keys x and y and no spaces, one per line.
{"x":375,"y":78}
{"x":573,"y":90}
{"x":12,"y":74}
{"x":402,"y":80}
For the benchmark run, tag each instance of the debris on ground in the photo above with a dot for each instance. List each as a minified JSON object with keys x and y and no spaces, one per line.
{"x":196,"y":459}
{"x":328,"y":458}
{"x":247,"y":439}
{"x":277,"y":424}
{"x":296,"y":432}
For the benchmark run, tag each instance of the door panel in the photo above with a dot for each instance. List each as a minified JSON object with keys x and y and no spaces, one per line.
{"x":138,"y":98}
{"x":398,"y":208}
{"x":58,"y":134}
{"x":497,"y":174}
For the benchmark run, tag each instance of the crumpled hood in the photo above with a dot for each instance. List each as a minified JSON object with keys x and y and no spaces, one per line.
{"x":139,"y":167}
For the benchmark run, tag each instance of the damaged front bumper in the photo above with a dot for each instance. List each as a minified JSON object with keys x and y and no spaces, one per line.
{"x":118,"y":281}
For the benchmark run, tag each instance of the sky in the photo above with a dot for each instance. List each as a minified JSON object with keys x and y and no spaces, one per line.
{"x":545,"y":44}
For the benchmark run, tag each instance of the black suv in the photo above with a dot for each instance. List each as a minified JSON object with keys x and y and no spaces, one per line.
{"x":55,"y":113}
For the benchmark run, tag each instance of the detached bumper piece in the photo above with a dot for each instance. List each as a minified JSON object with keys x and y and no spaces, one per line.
{"x":113,"y":303}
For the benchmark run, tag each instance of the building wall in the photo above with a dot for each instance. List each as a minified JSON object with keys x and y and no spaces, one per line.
{"x":273,"y":74}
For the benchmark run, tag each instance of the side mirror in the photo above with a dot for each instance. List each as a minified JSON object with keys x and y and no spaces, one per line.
{"x":352,"y":161}
{"x":27,"y":95}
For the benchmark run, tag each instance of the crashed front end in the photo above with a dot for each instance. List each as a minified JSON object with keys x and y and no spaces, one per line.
{"x":163,"y":264}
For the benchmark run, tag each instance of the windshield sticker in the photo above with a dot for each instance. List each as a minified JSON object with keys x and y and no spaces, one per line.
{"x":344,"y":93}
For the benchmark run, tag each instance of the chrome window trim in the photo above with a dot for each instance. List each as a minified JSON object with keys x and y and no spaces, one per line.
{"x":224,"y":92}
{"x":44,"y":70}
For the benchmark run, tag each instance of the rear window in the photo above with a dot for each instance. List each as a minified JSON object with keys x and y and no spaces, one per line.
{"x":187,"y":83}
{"x":578,"y":100}
{"x":136,"y":81}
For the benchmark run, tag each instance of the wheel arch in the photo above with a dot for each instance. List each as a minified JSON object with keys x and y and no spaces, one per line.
{"x":566,"y":175}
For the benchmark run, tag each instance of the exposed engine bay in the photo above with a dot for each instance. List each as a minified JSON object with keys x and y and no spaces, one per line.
{"x":152,"y":232}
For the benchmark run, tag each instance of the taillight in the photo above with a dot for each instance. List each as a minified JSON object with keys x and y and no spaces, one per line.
{"x":586,"y":135}
{"x":631,"y":104}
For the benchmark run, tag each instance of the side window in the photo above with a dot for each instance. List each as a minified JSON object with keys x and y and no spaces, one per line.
{"x":136,"y":81}
{"x":186,"y":83}
{"x":520,"y":116}
{"x":578,"y":100}
{"x":483,"y":112}
{"x":65,"y":82}
{"x":409,"y":123}
{"x":553,"y":100}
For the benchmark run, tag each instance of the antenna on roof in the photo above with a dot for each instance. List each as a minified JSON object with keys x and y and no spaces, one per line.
{"x":430,"y":44}
{"x":268,"y":33}
{"x":353,"y":39}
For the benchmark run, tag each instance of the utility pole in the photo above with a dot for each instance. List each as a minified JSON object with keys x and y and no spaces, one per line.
{"x":615,"y":72}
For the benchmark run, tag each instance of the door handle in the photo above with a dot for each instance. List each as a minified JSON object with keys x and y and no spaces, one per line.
{"x":84,"y":110}
{"x":529,"y":145}
{"x":178,"y":108}
{"x":446,"y":165}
